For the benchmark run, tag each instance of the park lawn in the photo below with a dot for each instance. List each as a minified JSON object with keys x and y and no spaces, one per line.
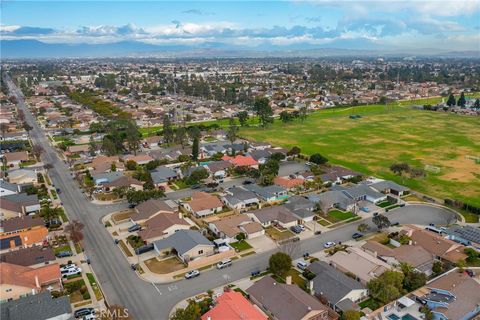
{"x":241,"y":245}
{"x":387,"y":134}
{"x":337,"y":215}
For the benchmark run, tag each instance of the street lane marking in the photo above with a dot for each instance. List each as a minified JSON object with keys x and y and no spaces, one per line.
{"x":171,"y":288}
{"x":156,"y":288}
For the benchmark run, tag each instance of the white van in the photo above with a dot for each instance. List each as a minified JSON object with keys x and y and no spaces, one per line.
{"x":71,"y":272}
{"x":224,"y":264}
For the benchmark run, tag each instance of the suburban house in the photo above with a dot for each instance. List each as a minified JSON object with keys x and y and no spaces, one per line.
{"x":161,"y":176}
{"x":106,"y":177}
{"x":30,"y":256}
{"x":233,"y":305}
{"x":14,"y":159}
{"x":218,"y":169}
{"x":123,"y":181}
{"x":23,"y":176}
{"x":286,"y":301}
{"x":301,"y":207}
{"x":337,"y":174}
{"x":162,"y":225}
{"x":362,"y":265}
{"x":333,"y":200}
{"x":255,"y":145}
{"x":22,"y":231}
{"x":361,"y":192}
{"x":274,"y":215}
{"x":186,"y":244}
{"x":210,"y":149}
{"x":152,"y":207}
{"x":151,"y":141}
{"x":203,"y":204}
{"x":240,"y":199}
{"x":7,"y":188}
{"x":102,"y":164}
{"x":140,"y":159}
{"x":78,"y":149}
{"x":269,"y":194}
{"x":288,"y":182}
{"x":435,"y":244}
{"x":261,"y":156}
{"x":340,"y":291}
{"x":19,"y":281}
{"x":229,"y":227}
{"x":415,"y":255}
{"x":42,"y":305}
{"x":390,"y":187}
{"x":241,"y":161}
{"x":466,"y":235}
{"x":16,"y":205}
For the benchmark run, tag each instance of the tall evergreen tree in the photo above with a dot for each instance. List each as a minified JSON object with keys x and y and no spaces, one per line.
{"x":451,"y":100}
{"x":461,"y":101}
{"x":195,"y":148}
{"x":168,"y":132}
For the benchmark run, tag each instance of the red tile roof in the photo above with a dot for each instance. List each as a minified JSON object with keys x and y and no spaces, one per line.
{"x":240,"y":160}
{"x":233,"y":306}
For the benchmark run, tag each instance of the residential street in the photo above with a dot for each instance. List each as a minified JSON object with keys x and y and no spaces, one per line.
{"x":149,"y":301}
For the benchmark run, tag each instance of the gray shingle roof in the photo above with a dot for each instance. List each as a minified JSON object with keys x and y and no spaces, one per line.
{"x":331,"y":283}
{"x":163,"y":174}
{"x":387,"y":184}
{"x":182,"y":241}
{"x":9,"y":186}
{"x":40,"y":306}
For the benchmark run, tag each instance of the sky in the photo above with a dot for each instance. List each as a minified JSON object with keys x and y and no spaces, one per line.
{"x":253,"y":24}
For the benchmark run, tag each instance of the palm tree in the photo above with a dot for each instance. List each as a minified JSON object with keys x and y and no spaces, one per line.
{"x":74,"y":229}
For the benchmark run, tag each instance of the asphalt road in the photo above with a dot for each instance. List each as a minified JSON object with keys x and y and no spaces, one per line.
{"x":154,"y":301}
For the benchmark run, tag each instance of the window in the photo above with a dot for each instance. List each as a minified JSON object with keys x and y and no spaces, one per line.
{"x":200,"y":252}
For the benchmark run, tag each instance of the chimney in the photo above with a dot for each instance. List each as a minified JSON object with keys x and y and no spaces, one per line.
{"x":288,"y":279}
{"x":310,"y":287}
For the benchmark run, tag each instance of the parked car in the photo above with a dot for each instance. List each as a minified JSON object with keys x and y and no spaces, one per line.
{"x":83,"y":312}
{"x":134,"y":228}
{"x":296,"y":229}
{"x":66,"y":267}
{"x":246,"y":182}
{"x":255,"y":273}
{"x":302,"y":227}
{"x":192,"y":274}
{"x":63,"y":254}
{"x":59,"y":191}
{"x":89,"y":317}
{"x":318,"y":232}
{"x":196,"y":186}
{"x":357,"y":235}
{"x":71,"y":272}
{"x":131,"y":206}
{"x":329,"y":244}
{"x":133,"y":266}
{"x":470,"y":272}
{"x":302,"y":265}
{"x":224,"y":264}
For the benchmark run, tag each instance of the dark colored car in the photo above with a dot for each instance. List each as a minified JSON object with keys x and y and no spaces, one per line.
{"x":247,"y":182}
{"x":196,"y":186}
{"x":131,"y":206}
{"x":357,"y":235}
{"x":83,"y":312}
{"x":63,"y":254}
{"x":134,"y":228}
{"x":296,"y":229}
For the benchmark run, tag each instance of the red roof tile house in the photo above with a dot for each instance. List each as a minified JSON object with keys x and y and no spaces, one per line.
{"x":203,"y":204}
{"x":233,"y":305}
{"x":288,"y":183}
{"x":241,"y":161}
{"x":13,"y":159}
{"x":17,"y":281}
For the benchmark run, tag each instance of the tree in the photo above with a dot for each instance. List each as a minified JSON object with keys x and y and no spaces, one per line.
{"x":74,"y":229}
{"x":92,"y":147}
{"x":168,"y":132}
{"x":242,"y":118}
{"x":131,"y":165}
{"x":317,"y":158}
{"x":270,"y":167}
{"x":437,"y":267}
{"x":3,"y":128}
{"x":413,"y":279}
{"x":191,"y":312}
{"x":303,"y":114}
{"x":109,"y":147}
{"x":277,"y":156}
{"x":232,"y":131}
{"x":263,"y":111}
{"x":279,"y":263}
{"x":194,"y":132}
{"x":195,"y":148}
{"x":27,"y":127}
{"x":295,"y":151}
{"x":399,"y":168}
{"x":133,"y":137}
{"x":135,"y":197}
{"x":181,"y":136}
{"x":381,"y":221}
{"x":113,"y":167}
{"x":476,"y":105}
{"x":351,"y":315}
{"x":285,"y":116}
{"x":363,"y":227}
{"x":387,"y":287}
{"x":461,"y":101}
{"x":37,"y":151}
{"x":451,"y":100}
{"x":48,"y":213}
{"x":197,"y":175}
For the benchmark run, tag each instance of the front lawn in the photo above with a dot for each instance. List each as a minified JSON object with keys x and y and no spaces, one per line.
{"x":164,"y":266}
{"x":63,"y":247}
{"x":278,"y":235}
{"x":337,"y":215}
{"x":124,"y":248}
{"x":135,"y":241}
{"x":241,"y":245}
{"x":383,"y":204}
{"x":95,"y":288}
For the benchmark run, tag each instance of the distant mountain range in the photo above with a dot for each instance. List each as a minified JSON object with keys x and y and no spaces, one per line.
{"x":31,"y":49}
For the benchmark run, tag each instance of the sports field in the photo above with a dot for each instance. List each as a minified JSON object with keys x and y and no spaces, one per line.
{"x":384,"y":135}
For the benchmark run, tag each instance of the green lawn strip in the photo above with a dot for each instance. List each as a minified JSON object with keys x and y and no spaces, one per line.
{"x":340,"y":215}
{"x":369,"y":303}
{"x":95,"y":288}
{"x":47,"y":180}
{"x":63,"y":215}
{"x":324,"y":222}
{"x":241,"y":245}
{"x":384,"y":204}
{"x":63,"y":247}
{"x":78,"y":248}
{"x":54,"y":194}
{"x":125,"y":249}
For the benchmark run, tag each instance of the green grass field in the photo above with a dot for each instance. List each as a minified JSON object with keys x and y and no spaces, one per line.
{"x":390,"y":134}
